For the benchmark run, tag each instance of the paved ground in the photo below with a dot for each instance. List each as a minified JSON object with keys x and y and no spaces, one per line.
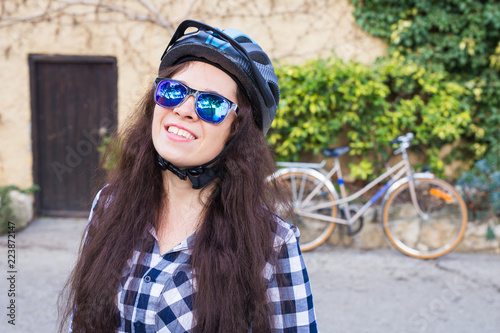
{"x":354,"y":291}
{"x":385,"y":291}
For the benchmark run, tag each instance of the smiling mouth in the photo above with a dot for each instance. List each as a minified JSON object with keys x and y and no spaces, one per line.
{"x":180,"y":132}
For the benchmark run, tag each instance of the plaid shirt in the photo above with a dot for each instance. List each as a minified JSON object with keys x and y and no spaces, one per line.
{"x":156,"y":294}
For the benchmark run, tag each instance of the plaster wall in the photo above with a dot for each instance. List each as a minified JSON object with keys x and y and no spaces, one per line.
{"x":287,"y":30}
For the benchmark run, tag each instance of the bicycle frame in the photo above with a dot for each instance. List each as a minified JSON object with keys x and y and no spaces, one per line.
{"x":396,"y":172}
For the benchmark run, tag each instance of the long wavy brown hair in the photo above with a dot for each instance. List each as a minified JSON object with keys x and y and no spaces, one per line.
{"x":231,"y":248}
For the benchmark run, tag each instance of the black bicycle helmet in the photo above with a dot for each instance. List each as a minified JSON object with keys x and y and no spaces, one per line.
{"x":235,"y":53}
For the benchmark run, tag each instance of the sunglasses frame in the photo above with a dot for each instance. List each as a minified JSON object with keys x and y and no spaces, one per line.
{"x":195,"y":93}
{"x":181,"y":32}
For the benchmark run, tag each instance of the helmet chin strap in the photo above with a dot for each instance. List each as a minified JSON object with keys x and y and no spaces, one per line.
{"x":200,"y":176}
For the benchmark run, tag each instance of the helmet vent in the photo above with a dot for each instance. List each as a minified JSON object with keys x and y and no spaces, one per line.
{"x":260,"y":58}
{"x":275,"y":90}
{"x":243,"y":39}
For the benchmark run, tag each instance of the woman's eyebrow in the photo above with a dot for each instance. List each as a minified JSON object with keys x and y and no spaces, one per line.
{"x":211,"y":91}
{"x":202,"y":90}
{"x":208,"y":90}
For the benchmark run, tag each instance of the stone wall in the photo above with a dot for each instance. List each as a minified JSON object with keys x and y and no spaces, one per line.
{"x":372,"y":236}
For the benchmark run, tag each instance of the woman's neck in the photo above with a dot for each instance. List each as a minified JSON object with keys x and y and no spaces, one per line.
{"x":181,"y":212}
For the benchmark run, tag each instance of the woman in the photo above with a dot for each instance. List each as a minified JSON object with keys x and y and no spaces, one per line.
{"x":185,"y":237}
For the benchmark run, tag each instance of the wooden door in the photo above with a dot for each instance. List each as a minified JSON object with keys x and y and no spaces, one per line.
{"x":73,"y":103}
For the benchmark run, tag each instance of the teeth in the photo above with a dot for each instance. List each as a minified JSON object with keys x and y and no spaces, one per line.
{"x":180,"y":132}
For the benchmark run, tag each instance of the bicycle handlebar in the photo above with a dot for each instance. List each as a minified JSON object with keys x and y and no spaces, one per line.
{"x":404,"y":142}
{"x":404,"y":138}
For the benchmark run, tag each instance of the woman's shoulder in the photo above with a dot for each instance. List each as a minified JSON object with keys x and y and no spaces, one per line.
{"x":94,"y":202}
{"x":286,"y":233}
{"x":103,"y":195}
{"x":98,"y":199}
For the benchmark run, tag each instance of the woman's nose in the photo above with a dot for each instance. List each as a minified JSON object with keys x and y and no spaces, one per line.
{"x":187,"y":109}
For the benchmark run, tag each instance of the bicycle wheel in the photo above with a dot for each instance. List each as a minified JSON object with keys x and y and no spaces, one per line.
{"x":313,"y":231}
{"x":437,"y":231}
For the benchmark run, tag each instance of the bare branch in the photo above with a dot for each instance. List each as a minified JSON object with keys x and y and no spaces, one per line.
{"x":161,"y":19}
{"x":34,"y":18}
{"x":276,"y":21}
{"x":124,"y":11}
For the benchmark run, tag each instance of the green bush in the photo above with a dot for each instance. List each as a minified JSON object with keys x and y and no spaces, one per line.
{"x":6,"y":213}
{"x":109,"y":151}
{"x":371,"y":105}
{"x":459,"y":37}
{"x":481,"y":188}
{"x":441,"y":80}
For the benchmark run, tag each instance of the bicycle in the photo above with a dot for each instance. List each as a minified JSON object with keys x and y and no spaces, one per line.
{"x":421,"y":215}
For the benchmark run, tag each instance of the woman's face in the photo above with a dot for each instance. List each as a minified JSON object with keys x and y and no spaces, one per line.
{"x":179,"y":135}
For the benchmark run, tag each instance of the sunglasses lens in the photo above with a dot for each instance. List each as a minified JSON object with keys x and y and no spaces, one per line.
{"x":170,"y":93}
{"x":212,"y":108}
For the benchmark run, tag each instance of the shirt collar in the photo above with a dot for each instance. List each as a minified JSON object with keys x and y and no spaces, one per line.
{"x":186,"y":244}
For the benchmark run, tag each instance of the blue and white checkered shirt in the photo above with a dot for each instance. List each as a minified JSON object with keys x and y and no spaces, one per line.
{"x":156,"y":294}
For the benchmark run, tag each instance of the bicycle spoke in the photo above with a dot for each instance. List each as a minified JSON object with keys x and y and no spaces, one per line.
{"x":307,"y":190}
{"x":434,"y":230}
{"x":294,"y":188}
{"x":302,"y":186}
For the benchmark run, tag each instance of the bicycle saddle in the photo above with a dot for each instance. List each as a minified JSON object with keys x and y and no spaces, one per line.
{"x":335,"y":152}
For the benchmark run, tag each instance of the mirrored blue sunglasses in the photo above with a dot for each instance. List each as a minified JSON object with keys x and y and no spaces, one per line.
{"x":210,"y":107}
